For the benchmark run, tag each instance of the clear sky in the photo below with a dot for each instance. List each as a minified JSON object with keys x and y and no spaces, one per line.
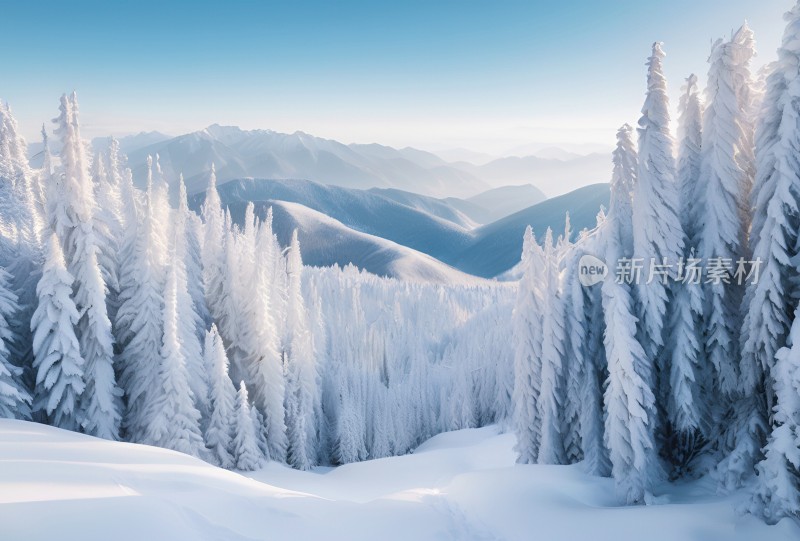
{"x":486,"y":75}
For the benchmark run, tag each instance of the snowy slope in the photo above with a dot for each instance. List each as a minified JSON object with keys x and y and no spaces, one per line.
{"x":361,"y":210}
{"x":506,"y":200}
{"x":452,"y":209}
{"x":459,"y":486}
{"x":497,"y":246}
{"x":487,"y":251}
{"x":263,"y":153}
{"x":325,"y":241}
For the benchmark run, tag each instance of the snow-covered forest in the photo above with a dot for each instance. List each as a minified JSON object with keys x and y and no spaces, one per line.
{"x":127,"y":316}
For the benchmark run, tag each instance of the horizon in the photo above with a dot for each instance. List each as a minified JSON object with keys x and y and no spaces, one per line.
{"x":487,"y":79}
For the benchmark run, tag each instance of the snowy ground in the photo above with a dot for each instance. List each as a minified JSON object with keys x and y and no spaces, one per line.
{"x":457,"y":486}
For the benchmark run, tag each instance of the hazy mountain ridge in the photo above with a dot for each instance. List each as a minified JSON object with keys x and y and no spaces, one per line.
{"x":238,"y":153}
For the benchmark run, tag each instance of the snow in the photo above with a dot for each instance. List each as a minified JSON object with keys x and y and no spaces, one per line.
{"x":461,"y":485}
{"x":326,"y":241}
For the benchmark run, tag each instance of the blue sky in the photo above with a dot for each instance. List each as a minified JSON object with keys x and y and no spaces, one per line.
{"x":485,"y":75}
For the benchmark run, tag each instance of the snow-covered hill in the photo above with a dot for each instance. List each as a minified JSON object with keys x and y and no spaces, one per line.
{"x":496,"y":247}
{"x":326,"y":241}
{"x":364,"y":211}
{"x":506,"y":200}
{"x":452,"y":209}
{"x":262,"y":153}
{"x":459,"y":486}
{"x":361,"y":219}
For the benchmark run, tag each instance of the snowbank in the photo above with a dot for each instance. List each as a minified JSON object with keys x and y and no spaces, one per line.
{"x":462,"y":485}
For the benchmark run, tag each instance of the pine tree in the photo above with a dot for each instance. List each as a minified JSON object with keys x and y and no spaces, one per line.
{"x":266,"y":366}
{"x":527,"y":328}
{"x":575,"y":369}
{"x":140,"y":317}
{"x":686,"y":411}
{"x":174,"y":422}
{"x":774,"y":243}
{"x":720,"y":228}
{"x":301,"y":375}
{"x":595,"y":454}
{"x":551,"y":395}
{"x":774,"y":234}
{"x":107,"y":221}
{"x":15,"y":400}
{"x":189,"y":320}
{"x":57,"y":358}
{"x":73,"y":209}
{"x":742,"y":51}
{"x":220,"y":429}
{"x":690,"y":189}
{"x":657,"y":233}
{"x":213,"y":249}
{"x":629,"y":398}
{"x":246,"y":454}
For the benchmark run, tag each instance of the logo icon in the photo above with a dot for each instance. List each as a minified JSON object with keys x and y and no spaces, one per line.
{"x":591,"y":270}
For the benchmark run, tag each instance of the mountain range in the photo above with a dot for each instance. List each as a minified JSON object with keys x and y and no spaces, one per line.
{"x":238,"y":153}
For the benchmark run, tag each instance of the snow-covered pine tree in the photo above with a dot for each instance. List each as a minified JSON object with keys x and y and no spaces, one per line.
{"x":107,"y":224}
{"x":527,"y":329}
{"x":266,"y":368}
{"x":595,"y":453}
{"x":742,"y":51}
{"x":213,"y":247}
{"x":174,"y":422}
{"x":300,"y":366}
{"x":774,"y":234}
{"x":657,"y":233}
{"x":690,"y":187}
{"x":188,"y":318}
{"x":229,"y":317}
{"x":140,"y":317}
{"x":629,"y":398}
{"x":57,"y":358}
{"x":21,"y":201}
{"x":73,"y":217}
{"x":574,"y":359}
{"x":719,"y":225}
{"x":773,"y":240}
{"x":686,"y":408}
{"x":777,"y":491}
{"x":246,"y":455}
{"x":133,"y":213}
{"x":20,"y":245}
{"x":551,"y":395}
{"x":15,"y":400}
{"x":220,"y":428}
{"x":194,"y":268}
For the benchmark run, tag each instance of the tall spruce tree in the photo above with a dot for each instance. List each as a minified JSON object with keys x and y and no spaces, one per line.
{"x":56,"y":352}
{"x":629,"y":398}
{"x":220,"y":427}
{"x":527,"y":329}
{"x":657,"y":232}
